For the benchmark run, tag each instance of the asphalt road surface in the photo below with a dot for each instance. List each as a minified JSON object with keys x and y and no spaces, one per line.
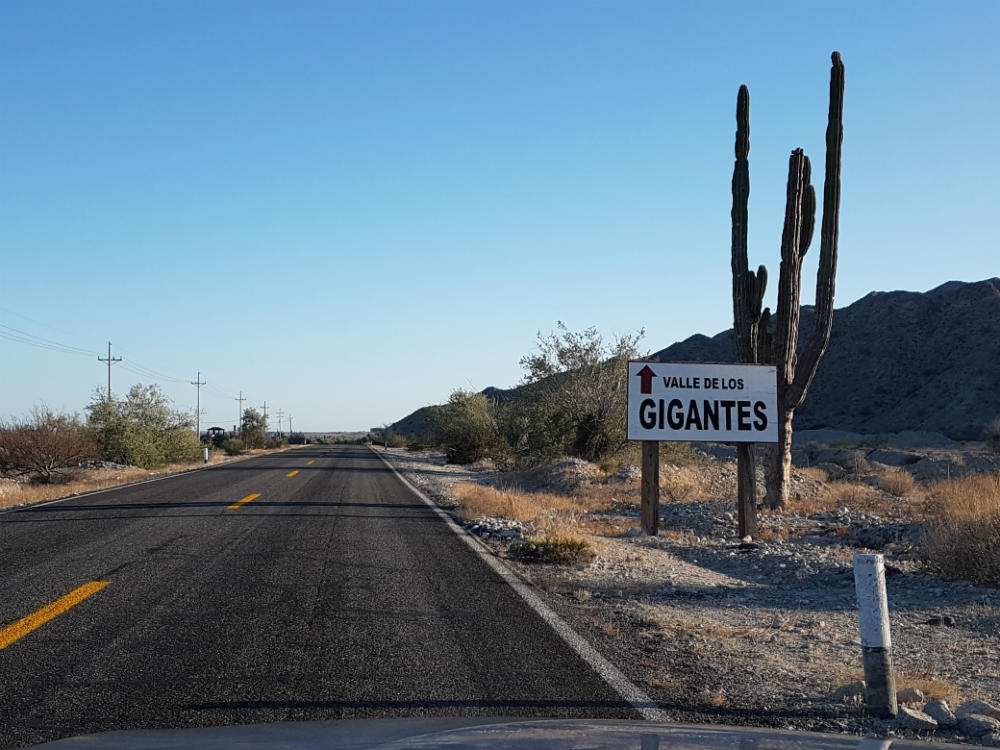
{"x":331,"y":592}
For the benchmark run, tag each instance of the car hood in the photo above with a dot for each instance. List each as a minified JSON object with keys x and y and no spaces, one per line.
{"x":547,"y":734}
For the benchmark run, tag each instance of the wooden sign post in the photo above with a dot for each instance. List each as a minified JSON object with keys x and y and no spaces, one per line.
{"x":650,"y":507}
{"x":700,"y":402}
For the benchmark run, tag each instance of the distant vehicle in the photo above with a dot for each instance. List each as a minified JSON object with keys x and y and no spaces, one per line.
{"x":215,"y":436}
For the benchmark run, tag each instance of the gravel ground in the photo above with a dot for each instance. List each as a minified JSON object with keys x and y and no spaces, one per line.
{"x":759,"y":634}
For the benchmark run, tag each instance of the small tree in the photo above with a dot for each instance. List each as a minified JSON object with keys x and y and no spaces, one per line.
{"x":579,"y":387}
{"x":253,"y":428}
{"x":44,"y":445}
{"x":141,"y":429}
{"x":466,"y":428}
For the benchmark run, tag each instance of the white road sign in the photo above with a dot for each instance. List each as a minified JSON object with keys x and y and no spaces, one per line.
{"x":724,"y":403}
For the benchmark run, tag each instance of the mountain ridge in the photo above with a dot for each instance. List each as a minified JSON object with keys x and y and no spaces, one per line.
{"x":898,"y":361}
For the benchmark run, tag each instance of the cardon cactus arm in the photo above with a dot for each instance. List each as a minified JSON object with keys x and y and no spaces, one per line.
{"x":799,"y":202}
{"x":748,"y":288}
{"x":829,"y":234}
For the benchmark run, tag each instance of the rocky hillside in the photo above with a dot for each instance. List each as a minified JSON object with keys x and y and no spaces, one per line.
{"x":897,"y":361}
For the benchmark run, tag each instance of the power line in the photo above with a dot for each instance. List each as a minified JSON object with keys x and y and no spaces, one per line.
{"x":110,"y":360}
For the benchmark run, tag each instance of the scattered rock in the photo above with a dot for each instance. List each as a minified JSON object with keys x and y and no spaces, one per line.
{"x":946,"y":620}
{"x":502,"y":529}
{"x":853,"y":691}
{"x":977,"y":725}
{"x":941,"y":712}
{"x":918,"y":721}
{"x":983,"y":708}
{"x":634,"y":532}
{"x":992,"y":739}
{"x":909,"y":696}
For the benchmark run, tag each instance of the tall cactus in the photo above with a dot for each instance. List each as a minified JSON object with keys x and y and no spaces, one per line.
{"x":748,"y":294}
{"x":754,"y":342}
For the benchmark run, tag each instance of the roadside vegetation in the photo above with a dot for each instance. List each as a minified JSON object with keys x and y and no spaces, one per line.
{"x":46,"y":455}
{"x":962,"y":539}
{"x":571,"y":402}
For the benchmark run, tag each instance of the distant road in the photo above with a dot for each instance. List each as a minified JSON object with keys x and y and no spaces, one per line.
{"x":329,"y":591}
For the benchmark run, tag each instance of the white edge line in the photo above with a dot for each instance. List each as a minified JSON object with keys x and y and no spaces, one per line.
{"x":31,"y":506}
{"x":621,"y":684}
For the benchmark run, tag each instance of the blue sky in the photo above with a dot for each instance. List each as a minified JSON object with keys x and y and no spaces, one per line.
{"x":350,"y":209}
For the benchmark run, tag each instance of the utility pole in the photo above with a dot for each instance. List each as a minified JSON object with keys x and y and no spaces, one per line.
{"x":198,"y":382}
{"x":265,"y":419}
{"x":280,"y":415}
{"x":241,"y":399}
{"x":290,"y":430}
{"x":110,"y":360}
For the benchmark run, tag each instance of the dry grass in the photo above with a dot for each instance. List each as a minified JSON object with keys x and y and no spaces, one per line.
{"x":853,"y":495}
{"x":814,"y":472}
{"x":933,"y":688}
{"x":963,"y":528}
{"x":683,"y":484}
{"x":897,"y":482}
{"x":545,"y":512}
{"x":557,"y":549}
{"x":768,"y":533}
{"x":85,"y":480}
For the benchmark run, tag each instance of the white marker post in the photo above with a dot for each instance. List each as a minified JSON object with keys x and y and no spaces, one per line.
{"x":876,"y":643}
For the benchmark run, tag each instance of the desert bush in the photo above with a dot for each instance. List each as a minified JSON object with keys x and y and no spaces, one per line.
{"x":962,"y":537}
{"x":45,"y":446}
{"x":897,"y":482}
{"x":466,"y":428}
{"x":141,"y":429}
{"x":297,"y":438}
{"x":564,"y":550}
{"x":233,"y":446}
{"x":578,"y":386}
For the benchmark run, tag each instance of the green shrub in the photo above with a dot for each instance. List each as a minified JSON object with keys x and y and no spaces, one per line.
{"x":141,"y":429}
{"x":563,"y":550}
{"x":233,"y":446}
{"x":297,"y":438}
{"x":466,"y":428}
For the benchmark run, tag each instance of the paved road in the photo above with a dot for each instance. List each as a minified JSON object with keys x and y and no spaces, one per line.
{"x":336,"y":593}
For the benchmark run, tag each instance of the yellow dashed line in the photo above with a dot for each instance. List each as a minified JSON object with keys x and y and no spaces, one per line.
{"x":245,"y":500}
{"x":292,"y":473}
{"x":310,"y":463}
{"x":35,"y":620}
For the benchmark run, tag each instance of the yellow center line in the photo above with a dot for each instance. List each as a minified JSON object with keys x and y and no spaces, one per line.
{"x":245,"y":500}
{"x":35,"y":620}
{"x":292,"y":473}
{"x":310,"y":463}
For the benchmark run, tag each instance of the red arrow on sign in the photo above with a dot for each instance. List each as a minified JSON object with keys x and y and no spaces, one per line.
{"x":646,"y":375}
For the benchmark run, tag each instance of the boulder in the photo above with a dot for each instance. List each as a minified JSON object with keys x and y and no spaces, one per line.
{"x":853,"y":691}
{"x":909,"y":696}
{"x":977,"y":725}
{"x":916,"y":720}
{"x":983,"y":708}
{"x":941,"y":712}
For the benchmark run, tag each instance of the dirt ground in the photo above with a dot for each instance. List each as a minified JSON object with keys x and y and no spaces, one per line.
{"x":761,"y":633}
